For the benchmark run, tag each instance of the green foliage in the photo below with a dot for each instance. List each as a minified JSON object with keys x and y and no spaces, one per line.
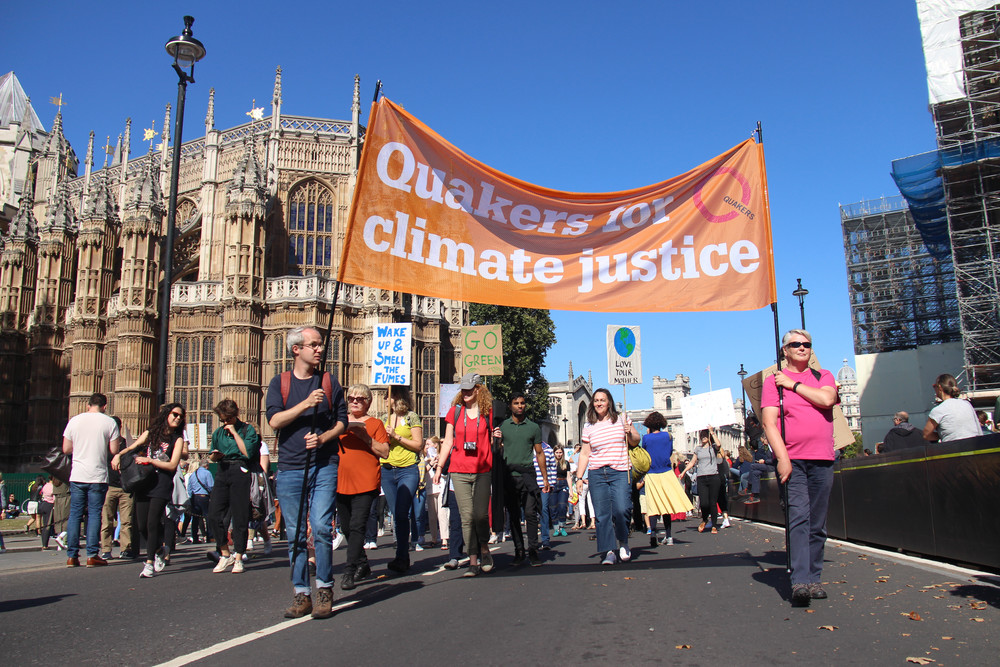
{"x":527,"y":336}
{"x":854,"y":449}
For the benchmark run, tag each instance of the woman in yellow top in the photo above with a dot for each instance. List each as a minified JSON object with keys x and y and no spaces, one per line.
{"x":400,"y":473}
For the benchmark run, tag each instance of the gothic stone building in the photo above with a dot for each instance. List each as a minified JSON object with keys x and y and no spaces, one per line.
{"x":261,"y":217}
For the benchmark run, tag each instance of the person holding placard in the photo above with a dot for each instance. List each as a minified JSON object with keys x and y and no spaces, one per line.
{"x":400,"y":470}
{"x":706,"y":458}
{"x":606,"y":439}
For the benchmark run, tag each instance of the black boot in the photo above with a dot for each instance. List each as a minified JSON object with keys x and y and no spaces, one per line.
{"x":364,"y":571}
{"x":347,"y":580}
{"x":518,"y":557}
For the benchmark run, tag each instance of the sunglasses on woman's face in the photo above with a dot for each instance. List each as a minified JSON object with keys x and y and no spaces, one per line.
{"x":797,"y":344}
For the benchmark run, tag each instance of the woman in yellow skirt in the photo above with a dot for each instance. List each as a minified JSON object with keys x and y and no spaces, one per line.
{"x":664,"y":494}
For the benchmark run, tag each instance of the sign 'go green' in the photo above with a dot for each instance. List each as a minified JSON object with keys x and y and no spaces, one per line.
{"x":482,"y":350}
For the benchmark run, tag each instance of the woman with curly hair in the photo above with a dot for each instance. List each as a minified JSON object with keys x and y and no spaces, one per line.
{"x":664,"y":494}
{"x":161,"y":447}
{"x":467,"y":442}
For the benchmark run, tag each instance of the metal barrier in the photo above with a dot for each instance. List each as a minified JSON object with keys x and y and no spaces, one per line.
{"x":937,"y":500}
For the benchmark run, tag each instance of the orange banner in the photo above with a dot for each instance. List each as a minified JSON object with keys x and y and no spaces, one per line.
{"x":430,"y":220}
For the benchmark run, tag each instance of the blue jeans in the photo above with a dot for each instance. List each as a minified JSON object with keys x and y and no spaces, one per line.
{"x":546,"y":517}
{"x":400,"y":486}
{"x":558,"y":499}
{"x":418,"y":517}
{"x":322,"y":491}
{"x":612,"y":500}
{"x":456,"y":542}
{"x":808,"y":501}
{"x":89,"y":495}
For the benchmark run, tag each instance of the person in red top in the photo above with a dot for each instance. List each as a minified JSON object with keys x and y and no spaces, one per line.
{"x":358,"y":479}
{"x":802,"y":441}
{"x":467,"y":442}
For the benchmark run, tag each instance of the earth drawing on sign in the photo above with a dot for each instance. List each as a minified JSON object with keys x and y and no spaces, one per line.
{"x":624,"y":342}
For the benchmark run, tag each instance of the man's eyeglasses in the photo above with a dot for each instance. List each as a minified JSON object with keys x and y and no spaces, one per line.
{"x":356,"y":399}
{"x":797,"y":344}
{"x":315,"y":346}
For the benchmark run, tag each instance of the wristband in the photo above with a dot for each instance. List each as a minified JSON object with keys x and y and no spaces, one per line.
{"x":795,"y":387}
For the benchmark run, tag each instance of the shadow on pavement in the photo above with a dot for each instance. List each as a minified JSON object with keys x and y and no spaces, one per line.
{"x":986,"y":593}
{"x":28,"y":603}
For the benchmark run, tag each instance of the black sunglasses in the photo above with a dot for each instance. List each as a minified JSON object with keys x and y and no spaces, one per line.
{"x":797,"y":344}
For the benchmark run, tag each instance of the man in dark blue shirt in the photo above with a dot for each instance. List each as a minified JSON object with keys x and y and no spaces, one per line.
{"x":309,"y":414}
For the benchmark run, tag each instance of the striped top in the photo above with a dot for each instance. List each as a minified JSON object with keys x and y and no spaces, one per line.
{"x":550,"y":466}
{"x":607,"y":444}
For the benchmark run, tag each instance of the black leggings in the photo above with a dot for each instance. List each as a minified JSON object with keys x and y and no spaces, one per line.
{"x":352,"y":513}
{"x":45,"y":517}
{"x":723,"y":494}
{"x":708,"y":494}
{"x":149,"y":514}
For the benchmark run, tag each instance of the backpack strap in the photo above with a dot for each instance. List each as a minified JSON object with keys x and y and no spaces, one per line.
{"x":286,"y":388}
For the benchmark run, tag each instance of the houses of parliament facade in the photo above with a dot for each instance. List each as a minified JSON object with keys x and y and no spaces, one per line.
{"x":262,"y":210}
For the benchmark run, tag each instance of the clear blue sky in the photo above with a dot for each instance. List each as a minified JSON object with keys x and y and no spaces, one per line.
{"x":580,"y":96}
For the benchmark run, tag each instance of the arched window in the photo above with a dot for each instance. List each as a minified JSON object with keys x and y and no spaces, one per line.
{"x":669,"y":403}
{"x":310,"y":230}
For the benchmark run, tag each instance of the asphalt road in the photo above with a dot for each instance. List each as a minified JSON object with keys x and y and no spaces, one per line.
{"x":707,"y":600}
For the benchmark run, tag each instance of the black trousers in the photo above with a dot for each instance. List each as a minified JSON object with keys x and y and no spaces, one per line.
{"x":149,"y":516}
{"x":352,"y":514}
{"x":521,"y":492}
{"x":708,"y":494}
{"x":231,"y":492}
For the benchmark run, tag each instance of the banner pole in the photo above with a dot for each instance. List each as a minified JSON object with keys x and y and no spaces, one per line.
{"x":781,"y":412}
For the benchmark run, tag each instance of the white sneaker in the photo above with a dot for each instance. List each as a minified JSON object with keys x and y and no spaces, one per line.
{"x":249,"y":545}
{"x":381,"y":532}
{"x":61,"y":540}
{"x":493,"y":538}
{"x":625,"y":554}
{"x":147,"y":572}
{"x":238,"y":566}
{"x":609,"y":559}
{"x":370,"y":545}
{"x":418,"y":546}
{"x":160,"y":559}
{"x":338,"y":540}
{"x":725,"y":522}
{"x":224,"y":563}
{"x":669,"y":541}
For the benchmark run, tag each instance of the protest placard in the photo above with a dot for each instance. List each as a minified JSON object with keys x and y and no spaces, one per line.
{"x":713,"y":408}
{"x":482,"y":350}
{"x":624,"y":359}
{"x":391,"y":354}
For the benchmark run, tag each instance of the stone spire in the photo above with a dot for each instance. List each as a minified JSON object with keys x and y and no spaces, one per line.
{"x":61,"y":217}
{"x":210,"y":116}
{"x":23,"y":227}
{"x":590,"y":380}
{"x":247,"y":185}
{"x":118,"y":151}
{"x":144,"y":194}
{"x":57,"y":162}
{"x":276,"y":98}
{"x":89,"y":162}
{"x":355,"y":130}
{"x":571,"y":373}
{"x":100,"y":202}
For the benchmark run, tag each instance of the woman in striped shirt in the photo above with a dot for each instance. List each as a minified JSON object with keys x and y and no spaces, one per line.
{"x":606,"y":439}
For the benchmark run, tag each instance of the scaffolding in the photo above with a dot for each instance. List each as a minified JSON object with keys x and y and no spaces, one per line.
{"x":970,"y":127}
{"x":901,"y":296}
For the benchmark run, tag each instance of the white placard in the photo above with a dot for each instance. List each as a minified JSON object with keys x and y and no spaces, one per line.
{"x":197,"y":437}
{"x":624,"y":359}
{"x":391,"y":354}
{"x":446,"y":394}
{"x":714,"y":407}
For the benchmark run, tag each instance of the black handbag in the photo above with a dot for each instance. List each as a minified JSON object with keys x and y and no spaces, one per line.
{"x":58,"y":464}
{"x":135,"y":477}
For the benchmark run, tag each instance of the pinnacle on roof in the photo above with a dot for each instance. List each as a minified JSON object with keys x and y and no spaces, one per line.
{"x":210,"y":115}
{"x":23,"y":227}
{"x":15,"y":105}
{"x":57,"y":143}
{"x":276,"y":99}
{"x":145,"y":192}
{"x":100,"y":202}
{"x":61,"y":216}
{"x":248,"y":172}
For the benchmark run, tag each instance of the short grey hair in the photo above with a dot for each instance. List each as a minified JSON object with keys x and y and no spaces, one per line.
{"x":360,"y":390}
{"x":795,"y":332}
{"x":295,"y":337}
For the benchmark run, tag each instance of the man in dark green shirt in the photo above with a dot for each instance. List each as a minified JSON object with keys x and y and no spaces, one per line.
{"x":236,"y":448}
{"x":522,"y":445}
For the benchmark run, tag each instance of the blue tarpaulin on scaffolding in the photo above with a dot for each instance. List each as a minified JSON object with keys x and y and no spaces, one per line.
{"x":919,"y":181}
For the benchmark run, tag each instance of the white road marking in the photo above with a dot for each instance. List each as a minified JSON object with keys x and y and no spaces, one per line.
{"x":245,"y":639}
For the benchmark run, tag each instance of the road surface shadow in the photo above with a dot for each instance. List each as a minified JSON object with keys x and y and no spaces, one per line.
{"x":28,"y":603}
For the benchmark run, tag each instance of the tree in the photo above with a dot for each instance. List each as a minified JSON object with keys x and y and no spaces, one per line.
{"x":854,"y":449}
{"x":527,"y":336}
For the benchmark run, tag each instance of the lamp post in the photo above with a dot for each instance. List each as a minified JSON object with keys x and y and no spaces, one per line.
{"x":565,"y":432}
{"x":186,"y":51}
{"x":743,"y":401}
{"x":801,"y":292}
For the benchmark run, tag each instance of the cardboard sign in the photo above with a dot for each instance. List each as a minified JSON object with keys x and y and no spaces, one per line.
{"x":391,"y":354}
{"x":624,"y":358}
{"x":713,"y":408}
{"x":446,"y":394}
{"x":482,"y":350}
{"x":754,"y":386}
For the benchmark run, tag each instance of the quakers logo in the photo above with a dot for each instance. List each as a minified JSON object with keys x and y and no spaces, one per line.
{"x":739,"y":207}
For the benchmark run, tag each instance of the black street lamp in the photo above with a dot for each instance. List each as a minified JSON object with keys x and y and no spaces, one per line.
{"x":743,"y":401}
{"x":565,"y":432}
{"x":186,"y":51}
{"x":801,"y":292}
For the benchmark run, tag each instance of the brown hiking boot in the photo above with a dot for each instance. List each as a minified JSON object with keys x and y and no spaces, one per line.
{"x":301,"y":606}
{"x":324,"y":603}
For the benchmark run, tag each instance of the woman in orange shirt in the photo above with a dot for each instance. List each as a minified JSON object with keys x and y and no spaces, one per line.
{"x":358,"y":479}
